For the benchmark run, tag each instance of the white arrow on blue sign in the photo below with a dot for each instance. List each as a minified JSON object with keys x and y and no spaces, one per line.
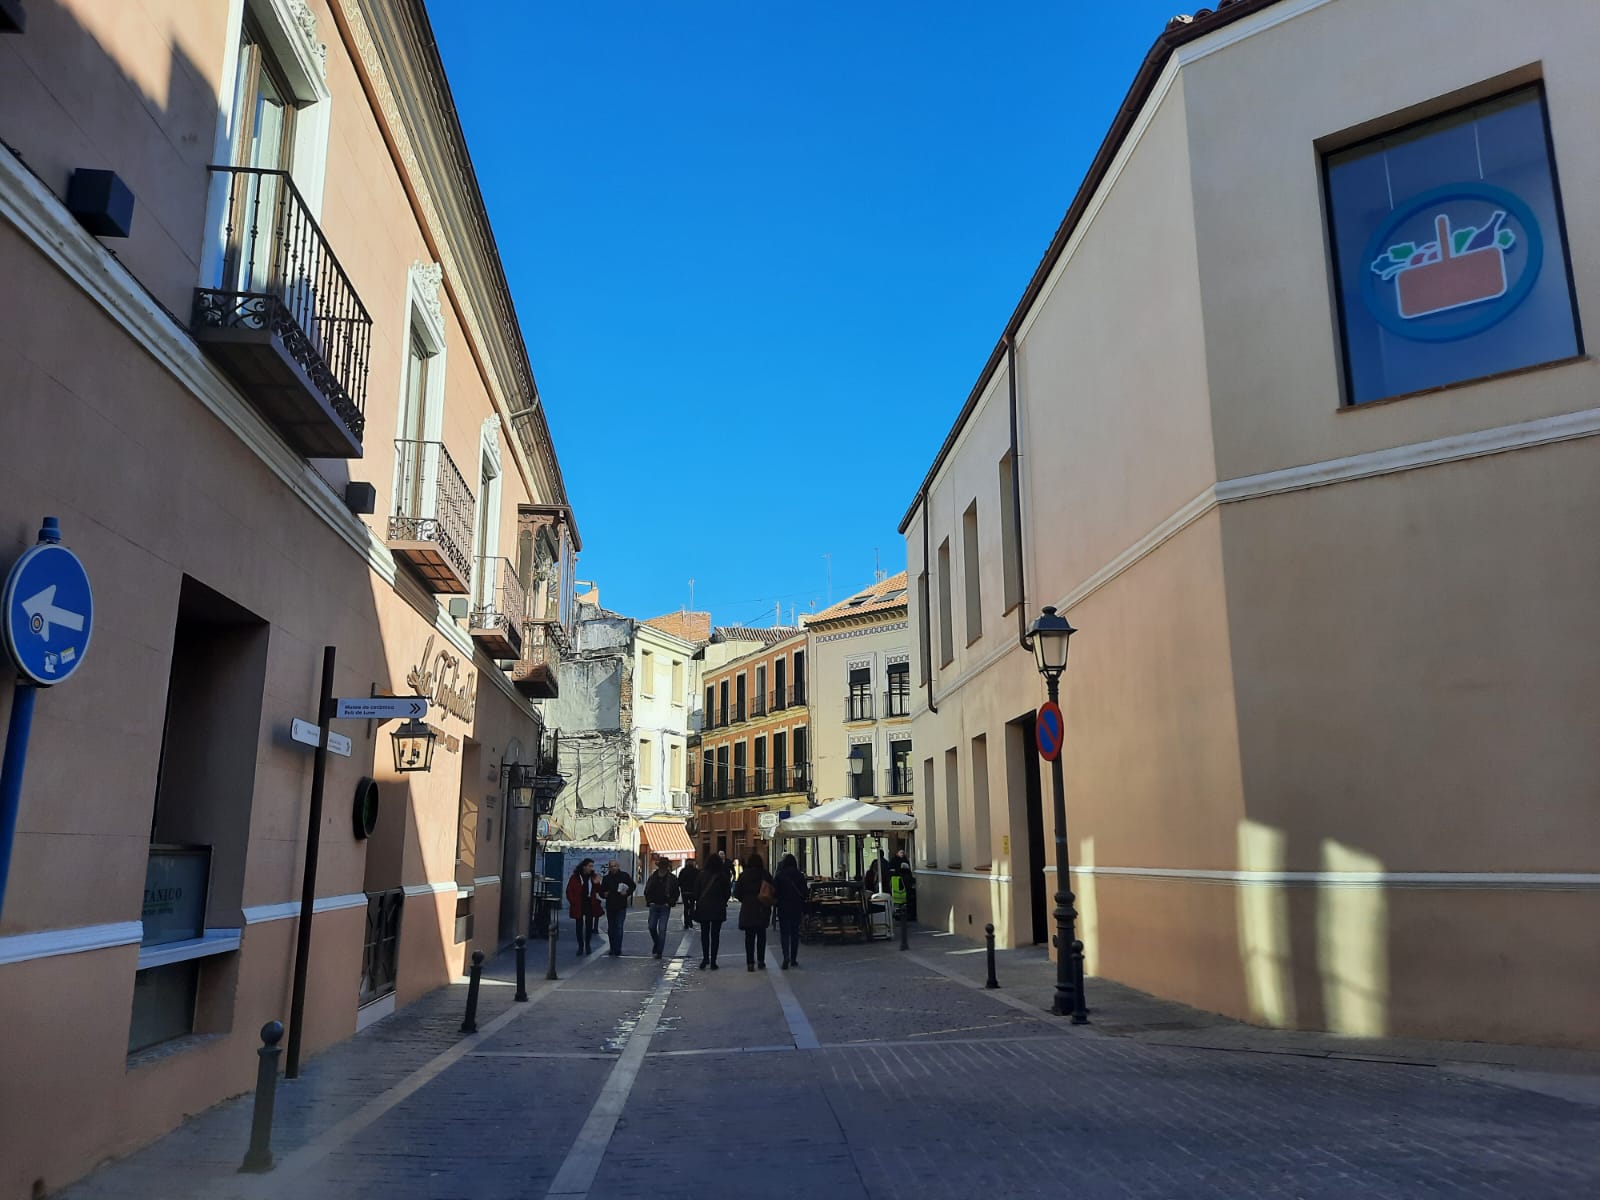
{"x":49,"y":613}
{"x":381,"y":708}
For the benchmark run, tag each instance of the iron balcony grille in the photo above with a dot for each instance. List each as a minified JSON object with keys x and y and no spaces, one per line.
{"x":900,"y":781}
{"x":281,"y":281}
{"x":779,"y":700}
{"x":738,"y":711}
{"x":897,"y":704}
{"x":758,"y":706}
{"x":500,"y":607}
{"x":432,"y":507}
{"x":859,"y":707}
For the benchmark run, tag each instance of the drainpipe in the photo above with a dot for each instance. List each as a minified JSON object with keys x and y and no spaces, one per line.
{"x":1016,"y":499}
{"x":927,"y":617}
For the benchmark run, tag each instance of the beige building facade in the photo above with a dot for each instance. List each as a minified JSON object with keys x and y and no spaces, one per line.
{"x":287,"y":408}
{"x":1296,"y":424}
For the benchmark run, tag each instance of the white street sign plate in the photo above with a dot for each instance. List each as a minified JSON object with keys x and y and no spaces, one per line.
{"x":382,"y":708}
{"x":767,"y":822}
{"x":306,"y":733}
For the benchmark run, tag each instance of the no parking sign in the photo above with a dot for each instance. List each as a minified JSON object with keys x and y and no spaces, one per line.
{"x":1047,"y":729}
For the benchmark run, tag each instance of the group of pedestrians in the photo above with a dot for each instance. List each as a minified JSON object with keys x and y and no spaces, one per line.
{"x":705,"y":893}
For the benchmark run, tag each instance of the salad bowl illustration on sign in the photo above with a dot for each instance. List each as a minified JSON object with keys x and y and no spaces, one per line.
{"x":1478,"y":265}
{"x":1464,"y":266}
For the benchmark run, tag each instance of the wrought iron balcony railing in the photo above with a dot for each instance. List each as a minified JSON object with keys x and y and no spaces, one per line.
{"x":433,"y":512}
{"x":284,"y":320}
{"x":499,"y":609}
{"x":858,"y":706}
{"x":537,"y":674}
{"x":897,"y":703}
{"x":758,"y":705}
{"x":900,"y":781}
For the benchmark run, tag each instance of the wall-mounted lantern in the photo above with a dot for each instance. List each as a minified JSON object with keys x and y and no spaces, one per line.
{"x":413,"y":746}
{"x":518,"y":778}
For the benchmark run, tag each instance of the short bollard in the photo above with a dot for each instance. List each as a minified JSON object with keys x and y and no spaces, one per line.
{"x":470,"y":1024}
{"x":988,"y":939}
{"x":522,"y":969}
{"x":550,"y":971}
{"x":905,"y":931}
{"x":259,"y":1157}
{"x":1080,"y":1002}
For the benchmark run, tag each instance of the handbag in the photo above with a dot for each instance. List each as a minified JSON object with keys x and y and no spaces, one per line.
{"x":768,"y":894}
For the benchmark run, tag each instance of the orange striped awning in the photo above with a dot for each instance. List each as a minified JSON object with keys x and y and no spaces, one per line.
{"x":670,"y":838}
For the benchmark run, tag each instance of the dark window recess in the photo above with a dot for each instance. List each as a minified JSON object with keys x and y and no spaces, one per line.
{"x":380,"y":950}
{"x":761,"y":766}
{"x":900,"y":768}
{"x":897,"y":700}
{"x":739,"y":769}
{"x":780,"y":669}
{"x":1450,"y":251}
{"x":858,"y":704}
{"x":463,"y":919}
{"x":864,"y":784}
{"x":780,"y":760}
{"x":800,"y":763}
{"x":799,"y":676}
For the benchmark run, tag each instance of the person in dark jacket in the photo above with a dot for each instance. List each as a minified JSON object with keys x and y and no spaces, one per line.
{"x":688,"y":882}
{"x":617,"y":888}
{"x":792,"y":887}
{"x":582,"y":902}
{"x":755,"y":910}
{"x":661,"y":894}
{"x":711,"y":910}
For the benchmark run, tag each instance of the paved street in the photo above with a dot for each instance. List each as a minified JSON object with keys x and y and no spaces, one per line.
{"x":866,"y":1072}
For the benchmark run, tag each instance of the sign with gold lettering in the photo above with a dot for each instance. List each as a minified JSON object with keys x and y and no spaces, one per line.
{"x":440,"y":676}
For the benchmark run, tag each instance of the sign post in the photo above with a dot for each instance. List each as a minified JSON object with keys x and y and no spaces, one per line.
{"x":48,"y":617}
{"x":1047,"y":729}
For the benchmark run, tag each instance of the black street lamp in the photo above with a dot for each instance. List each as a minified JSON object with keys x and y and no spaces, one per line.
{"x":1049,"y":636}
{"x":413,"y":746}
{"x":858,"y":767}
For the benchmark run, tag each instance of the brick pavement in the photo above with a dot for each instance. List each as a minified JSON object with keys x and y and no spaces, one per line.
{"x":921,"y":1085}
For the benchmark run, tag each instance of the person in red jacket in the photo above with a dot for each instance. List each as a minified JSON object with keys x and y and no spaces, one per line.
{"x":583,"y":902}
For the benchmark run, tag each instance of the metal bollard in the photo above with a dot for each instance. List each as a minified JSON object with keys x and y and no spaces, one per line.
{"x":550,"y":971}
{"x":470,"y":1023}
{"x":905,"y":929}
{"x":988,"y":939}
{"x":1080,"y":1002}
{"x":259,"y":1157}
{"x":522,"y":969}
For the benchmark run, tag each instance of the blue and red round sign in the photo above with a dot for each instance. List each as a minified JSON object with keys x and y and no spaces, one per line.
{"x":1047,"y":729}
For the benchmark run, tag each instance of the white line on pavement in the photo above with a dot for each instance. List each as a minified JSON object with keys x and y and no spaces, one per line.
{"x":588,"y":1148}
{"x":799,"y":1025}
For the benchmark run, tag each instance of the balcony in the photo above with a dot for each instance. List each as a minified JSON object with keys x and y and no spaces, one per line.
{"x":431,"y":529}
{"x":858,"y":706}
{"x":758,"y":706}
{"x":502,"y":607}
{"x":738,"y":711}
{"x":286,"y":325}
{"x":897,"y":703}
{"x":536,"y":675}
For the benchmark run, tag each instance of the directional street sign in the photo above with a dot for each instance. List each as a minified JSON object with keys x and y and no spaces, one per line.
{"x":49,"y":613}
{"x":307,"y":734}
{"x":1048,"y":731}
{"x":767,"y":822}
{"x":382,"y":708}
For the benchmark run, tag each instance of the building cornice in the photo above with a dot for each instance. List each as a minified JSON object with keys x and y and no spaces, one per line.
{"x":864,"y":631}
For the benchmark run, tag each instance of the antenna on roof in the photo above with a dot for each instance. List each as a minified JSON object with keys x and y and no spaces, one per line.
{"x":777,"y":613}
{"x":691,"y":595}
{"x":877,"y":571}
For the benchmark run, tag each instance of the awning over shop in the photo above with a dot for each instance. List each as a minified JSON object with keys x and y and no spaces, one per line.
{"x":668,"y":838}
{"x":846,"y":815}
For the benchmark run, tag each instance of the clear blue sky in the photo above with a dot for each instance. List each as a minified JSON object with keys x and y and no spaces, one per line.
{"x":761,"y":250}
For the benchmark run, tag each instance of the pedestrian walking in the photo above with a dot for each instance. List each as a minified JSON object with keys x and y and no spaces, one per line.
{"x":792,"y":887}
{"x":661,"y":894}
{"x":756,"y":896}
{"x":583,"y":902}
{"x":688,"y":883}
{"x":711,"y":909}
{"x":617,"y":889}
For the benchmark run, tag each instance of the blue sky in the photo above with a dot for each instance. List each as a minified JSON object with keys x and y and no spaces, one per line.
{"x":761,"y":250}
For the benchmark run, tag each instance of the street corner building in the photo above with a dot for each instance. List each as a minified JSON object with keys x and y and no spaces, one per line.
{"x":260,"y":359}
{"x":1295,"y":422}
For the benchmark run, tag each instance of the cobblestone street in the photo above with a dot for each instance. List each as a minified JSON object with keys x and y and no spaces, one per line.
{"x":865,"y":1072}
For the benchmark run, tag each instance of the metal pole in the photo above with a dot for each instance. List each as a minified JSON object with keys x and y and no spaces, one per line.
{"x":905,"y":920}
{"x":469,"y":1023}
{"x":522,"y":969}
{"x":259,"y":1157}
{"x":550,"y":972}
{"x":17,"y":732}
{"x":308,"y":883}
{"x":1069,"y":951}
{"x":988,"y":939}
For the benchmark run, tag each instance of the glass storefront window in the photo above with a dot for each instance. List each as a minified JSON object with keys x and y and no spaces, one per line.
{"x":1449,"y":249}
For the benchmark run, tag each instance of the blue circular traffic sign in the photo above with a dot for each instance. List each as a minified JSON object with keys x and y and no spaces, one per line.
{"x":1047,"y":730}
{"x":49,"y":613}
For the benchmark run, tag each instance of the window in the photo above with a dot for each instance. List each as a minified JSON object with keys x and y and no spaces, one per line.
{"x":864,"y":784}
{"x":677,"y":682}
{"x":722,"y":707}
{"x":951,"y":823}
{"x":779,"y":698}
{"x":969,"y":557}
{"x":947,"y":642}
{"x":706,"y":716}
{"x":740,"y":784}
{"x":780,"y":761}
{"x":859,"y":701}
{"x":799,"y":676}
{"x":800,"y":761}
{"x":927,"y":818}
{"x":486,"y":536}
{"x":464,"y":917}
{"x":647,"y":673}
{"x":1010,"y":552}
{"x":982,"y":837}
{"x":760,"y":703}
{"x":761,"y":766}
{"x":740,"y":684}
{"x":675,"y":767}
{"x":900,"y":767}
{"x":1449,"y":249}
{"x":722,"y":773}
{"x":708,"y":776}
{"x":646,"y":763}
{"x":924,"y":636}
{"x":897,"y":700}
{"x":467,"y":835}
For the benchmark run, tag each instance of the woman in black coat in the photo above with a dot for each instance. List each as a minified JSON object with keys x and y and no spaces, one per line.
{"x":711,"y":909}
{"x":755,"y":911}
{"x":792,"y":887}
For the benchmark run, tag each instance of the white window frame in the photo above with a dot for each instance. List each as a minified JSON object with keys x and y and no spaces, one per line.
{"x":488,"y":463}
{"x":423,"y":318}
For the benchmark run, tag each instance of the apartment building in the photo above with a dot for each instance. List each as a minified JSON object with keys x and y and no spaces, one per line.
{"x":860,"y":704}
{"x":755,"y":748}
{"x":1295,"y":422}
{"x":269,"y":377}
